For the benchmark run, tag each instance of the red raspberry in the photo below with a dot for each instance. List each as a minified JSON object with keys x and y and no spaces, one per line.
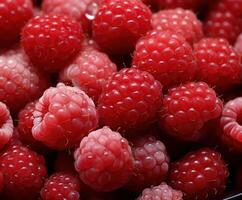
{"x":51,"y":41}
{"x":61,"y":185}
{"x":130,"y":100}
{"x":89,"y":44}
{"x":20,"y":82}
{"x":238,"y":45}
{"x":14,"y":15}
{"x":160,"y":192}
{"x":62,"y":116}
{"x":180,"y":21}
{"x":187,"y":4}
{"x":24,"y":173}
{"x":167,"y":56}
{"x":119,"y":24}
{"x":217,"y":61}
{"x":221,"y":21}
{"x":200,"y":175}
{"x":90,"y":71}
{"x":188,"y":111}
{"x":25,"y":124}
{"x":231,"y":124}
{"x":6,"y":124}
{"x":1,"y":181}
{"x":64,"y":162}
{"x":104,"y":160}
{"x":151,"y":163}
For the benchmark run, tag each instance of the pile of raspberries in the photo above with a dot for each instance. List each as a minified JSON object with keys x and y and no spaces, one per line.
{"x":120,"y":99}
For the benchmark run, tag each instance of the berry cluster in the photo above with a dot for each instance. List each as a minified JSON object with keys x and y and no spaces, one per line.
{"x":120,"y":99}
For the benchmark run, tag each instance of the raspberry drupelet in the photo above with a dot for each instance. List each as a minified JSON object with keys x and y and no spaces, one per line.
{"x":119,"y":24}
{"x":151,"y":163}
{"x":160,"y":192}
{"x":90,"y":71}
{"x":217,"y":61}
{"x":179,"y":21}
{"x":189,"y":111}
{"x":51,"y":41}
{"x":62,"y":116}
{"x":104,"y":160}
{"x":200,"y":175}
{"x":131,"y":100}
{"x":167,"y":56}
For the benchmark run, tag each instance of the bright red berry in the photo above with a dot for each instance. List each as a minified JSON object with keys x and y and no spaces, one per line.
{"x":130,"y":100}
{"x":119,"y":24}
{"x":64,"y":162}
{"x":104,"y":160}
{"x":188,"y":111}
{"x":167,"y":56}
{"x":62,"y":116}
{"x":217,"y":61}
{"x":151,"y":163}
{"x":187,"y":4}
{"x":14,"y":15}
{"x":90,"y":71}
{"x":160,"y":192}
{"x":230,"y":124}
{"x":24,"y":173}
{"x":179,"y":21}
{"x":61,"y":185}
{"x":51,"y":41}
{"x":20,"y":82}
{"x":201,"y":174}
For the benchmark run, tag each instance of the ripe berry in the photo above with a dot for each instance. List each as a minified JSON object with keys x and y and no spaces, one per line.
{"x":179,"y":21}
{"x":151,"y":163}
{"x":217,"y":61}
{"x":20,"y":82}
{"x":167,"y":56}
{"x":188,"y":111}
{"x":6,"y":124}
{"x":90,"y":71}
{"x":238,"y":45}
{"x":200,"y":175}
{"x":130,"y":100}
{"x":160,"y":192}
{"x":14,"y":15}
{"x":24,"y":173}
{"x":119,"y":24}
{"x":230,"y":123}
{"x":187,"y":4}
{"x":62,"y":116}
{"x":51,"y":41}
{"x":104,"y":160}
{"x":61,"y":185}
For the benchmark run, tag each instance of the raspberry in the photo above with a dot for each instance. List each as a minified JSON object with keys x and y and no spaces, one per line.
{"x":180,"y":21}
{"x":218,"y":61}
{"x":14,"y":15}
{"x":104,"y":160}
{"x":25,"y":124}
{"x":187,"y":4}
{"x":51,"y":41}
{"x":238,"y":45}
{"x":20,"y":82}
{"x":167,"y":56}
{"x":1,"y":181}
{"x":119,"y":24}
{"x":6,"y":124}
{"x":231,"y":124}
{"x":160,"y":192}
{"x":188,"y":111}
{"x":90,"y":71}
{"x":222,"y":23}
{"x":62,"y":116}
{"x":151,"y":163}
{"x":130,"y":100}
{"x":61,"y":186}
{"x":24,"y":173}
{"x":201,"y":174}
{"x":64,"y":162}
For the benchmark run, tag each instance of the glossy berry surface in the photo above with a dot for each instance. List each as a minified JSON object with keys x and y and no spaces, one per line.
{"x":119,"y":24}
{"x":62,"y":110}
{"x":104,"y":160}
{"x":188,"y":109}
{"x":51,"y":41}
{"x":130,"y":100}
